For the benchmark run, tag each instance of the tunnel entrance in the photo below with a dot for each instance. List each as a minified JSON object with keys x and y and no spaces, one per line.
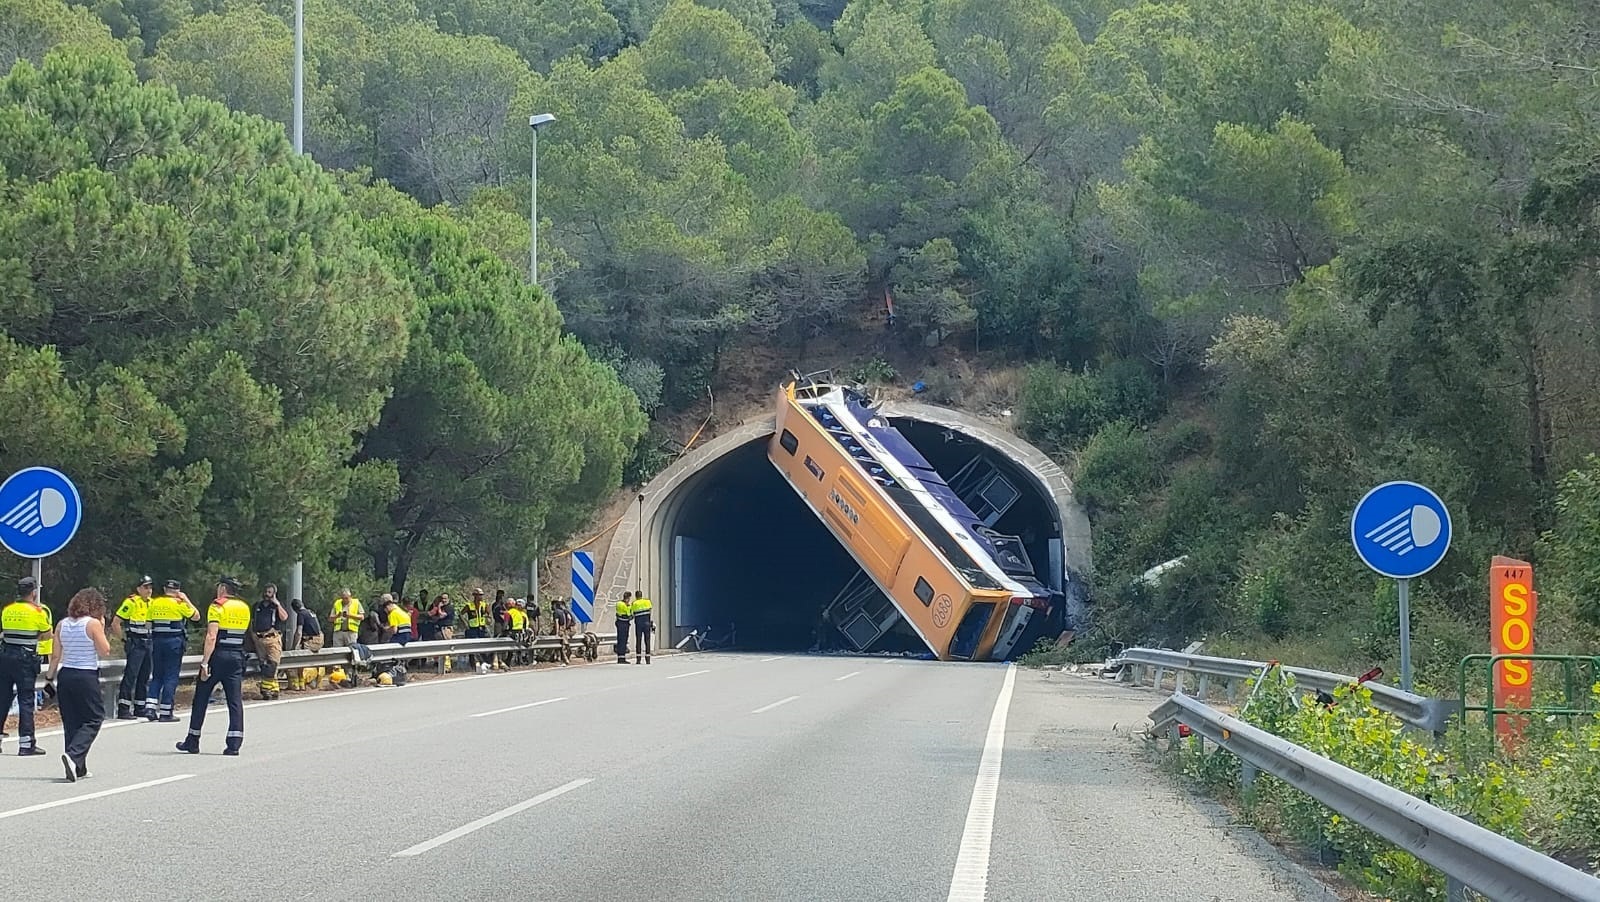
{"x":748,"y":552}
{"x":742,"y":551}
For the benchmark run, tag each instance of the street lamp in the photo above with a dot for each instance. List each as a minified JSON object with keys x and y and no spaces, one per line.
{"x":535,"y":122}
{"x":299,"y":76}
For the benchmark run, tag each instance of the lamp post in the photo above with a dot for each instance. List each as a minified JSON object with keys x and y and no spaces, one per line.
{"x":299,"y":76}
{"x":535,"y":122}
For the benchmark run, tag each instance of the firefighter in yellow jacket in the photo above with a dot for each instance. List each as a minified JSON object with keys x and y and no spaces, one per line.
{"x":222,"y":664}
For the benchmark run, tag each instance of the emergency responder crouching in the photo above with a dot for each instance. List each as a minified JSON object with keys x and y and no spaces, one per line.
{"x":265,"y":620}
{"x":167,"y":613}
{"x":132,"y":621}
{"x":398,"y":621}
{"x":21,"y":628}
{"x":222,"y":663}
{"x":624,"y":623}
{"x":643,"y":627}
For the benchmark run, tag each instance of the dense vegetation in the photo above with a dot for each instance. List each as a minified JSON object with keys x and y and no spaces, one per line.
{"x":1253,"y":257}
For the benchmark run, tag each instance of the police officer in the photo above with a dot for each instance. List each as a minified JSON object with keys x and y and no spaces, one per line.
{"x":22,"y":630}
{"x":624,"y":622}
{"x":168,"y":611}
{"x":222,"y":663}
{"x":643,"y":626}
{"x":132,"y":622}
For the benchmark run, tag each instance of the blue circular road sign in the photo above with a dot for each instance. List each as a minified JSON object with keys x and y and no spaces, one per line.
{"x":1401,"y":529}
{"x":40,"y":511}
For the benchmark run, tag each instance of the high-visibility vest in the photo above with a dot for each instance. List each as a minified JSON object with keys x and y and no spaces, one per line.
{"x":477,"y":614}
{"x":167,"y":615}
{"x":47,"y":644}
{"x":21,"y":623}
{"x":135,"y":614}
{"x":519,"y":618}
{"x":346,"y":621}
{"x":641,"y":605}
{"x":399,"y":619}
{"x":232,"y":617}
{"x":624,"y":610}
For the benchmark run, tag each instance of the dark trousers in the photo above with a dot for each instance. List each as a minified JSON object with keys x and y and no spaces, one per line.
{"x":476,"y":632}
{"x":136,"y":678}
{"x":166,"y":659}
{"x":227,"y":671}
{"x":622,"y":639}
{"x":18,"y":673}
{"x":643,"y":629}
{"x":83,"y":709}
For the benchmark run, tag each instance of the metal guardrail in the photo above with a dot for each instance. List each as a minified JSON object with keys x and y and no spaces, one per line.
{"x":1465,"y":852}
{"x":1430,"y":714}
{"x":111,"y":671}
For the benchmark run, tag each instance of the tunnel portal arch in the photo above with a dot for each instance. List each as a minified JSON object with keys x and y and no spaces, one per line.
{"x":728,"y":474}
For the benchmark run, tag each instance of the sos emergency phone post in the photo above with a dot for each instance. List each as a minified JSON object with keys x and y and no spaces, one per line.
{"x":1401,"y":530}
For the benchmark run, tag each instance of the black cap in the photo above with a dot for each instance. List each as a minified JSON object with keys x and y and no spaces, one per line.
{"x":172,"y":584}
{"x":144,"y":581}
{"x":229,"y":583}
{"x":26,"y":585}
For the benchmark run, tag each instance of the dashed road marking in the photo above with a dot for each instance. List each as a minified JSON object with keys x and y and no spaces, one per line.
{"x":93,"y":795}
{"x":783,"y":701}
{"x":485,"y":821}
{"x":970,"y":882}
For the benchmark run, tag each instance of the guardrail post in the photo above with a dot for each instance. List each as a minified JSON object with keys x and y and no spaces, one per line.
{"x":1247,"y":775}
{"x":1201,"y":688}
{"x":1160,"y":675}
{"x":1233,"y":691}
{"x":1454,"y":890}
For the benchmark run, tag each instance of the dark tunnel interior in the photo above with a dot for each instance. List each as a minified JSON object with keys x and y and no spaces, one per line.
{"x":746,"y":551}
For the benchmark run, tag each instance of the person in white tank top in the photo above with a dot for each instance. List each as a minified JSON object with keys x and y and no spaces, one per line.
{"x":75,"y":669}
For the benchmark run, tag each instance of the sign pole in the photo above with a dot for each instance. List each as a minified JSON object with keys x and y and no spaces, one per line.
{"x":1405,"y":633}
{"x":38,"y":577}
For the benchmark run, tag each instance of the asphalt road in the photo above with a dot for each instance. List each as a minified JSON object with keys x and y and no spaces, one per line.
{"x":717,"y":777}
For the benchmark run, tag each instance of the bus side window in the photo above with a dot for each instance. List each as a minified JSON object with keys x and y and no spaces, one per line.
{"x":788,"y":441}
{"x":924,"y":592}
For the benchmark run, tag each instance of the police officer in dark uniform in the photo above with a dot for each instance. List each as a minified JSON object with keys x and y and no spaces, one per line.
{"x":23,"y":625}
{"x":222,"y":663}
{"x":624,"y":623}
{"x":643,"y":628}
{"x":133,"y":620}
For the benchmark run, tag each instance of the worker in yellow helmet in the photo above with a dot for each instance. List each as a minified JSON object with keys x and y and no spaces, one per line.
{"x":643,"y":626}
{"x":222,"y":664}
{"x":24,"y":629}
{"x":624,"y":623}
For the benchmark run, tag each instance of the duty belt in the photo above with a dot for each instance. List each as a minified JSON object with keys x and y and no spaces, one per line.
{"x":139,"y":629}
{"x":162,"y":627}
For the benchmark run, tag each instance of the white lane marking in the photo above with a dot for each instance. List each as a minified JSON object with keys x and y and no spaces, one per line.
{"x":548,"y":701}
{"x":679,"y":676}
{"x":773,"y":658}
{"x":93,"y":795}
{"x":482,"y":822}
{"x":970,"y":881}
{"x":775,"y":704}
{"x":847,"y":676}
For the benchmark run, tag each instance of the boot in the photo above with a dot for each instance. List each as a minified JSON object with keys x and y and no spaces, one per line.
{"x":189,"y":746}
{"x":29,"y":753}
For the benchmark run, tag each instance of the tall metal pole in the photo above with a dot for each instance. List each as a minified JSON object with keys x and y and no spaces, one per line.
{"x":533,"y":217}
{"x":299,"y":76}
{"x":1405,"y":634}
{"x":638,"y":581}
{"x":533,"y":578}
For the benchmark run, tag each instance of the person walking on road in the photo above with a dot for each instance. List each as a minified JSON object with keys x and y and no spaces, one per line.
{"x":222,"y":664}
{"x":266,"y":618}
{"x":23,"y":627}
{"x":624,"y":623}
{"x":132,"y":623}
{"x":75,"y":669}
{"x":347,"y":616}
{"x":643,"y":626}
{"x":168,"y":611}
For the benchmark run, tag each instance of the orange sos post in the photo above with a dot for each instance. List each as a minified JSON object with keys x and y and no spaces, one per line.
{"x":1512,"y":605}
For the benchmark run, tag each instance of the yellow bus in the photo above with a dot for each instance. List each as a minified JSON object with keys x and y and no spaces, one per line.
{"x":909,"y":532}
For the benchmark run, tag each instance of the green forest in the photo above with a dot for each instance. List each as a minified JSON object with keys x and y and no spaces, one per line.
{"x":1232,"y":261}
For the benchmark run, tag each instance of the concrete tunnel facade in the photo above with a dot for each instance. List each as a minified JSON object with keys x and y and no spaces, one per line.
{"x":724,"y":539}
